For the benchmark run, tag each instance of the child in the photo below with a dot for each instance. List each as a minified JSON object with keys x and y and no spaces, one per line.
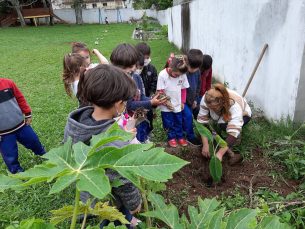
{"x":149,"y":76}
{"x":82,"y":49}
{"x":173,"y":81}
{"x":194,"y":61}
{"x":106,"y":20}
{"x":108,"y":102}
{"x":13,"y":127}
{"x":125,"y":56}
{"x":206,"y":80}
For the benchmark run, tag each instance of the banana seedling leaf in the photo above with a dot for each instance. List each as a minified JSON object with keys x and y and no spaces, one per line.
{"x":204,"y":131}
{"x":35,"y":224}
{"x":215,"y":168}
{"x":211,"y":149}
{"x":10,"y":183}
{"x":241,"y":219}
{"x":271,"y":223}
{"x":206,"y":208}
{"x":216,"y":220}
{"x":167,"y":213}
{"x":220,"y":141}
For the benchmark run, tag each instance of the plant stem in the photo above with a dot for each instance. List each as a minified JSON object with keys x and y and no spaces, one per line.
{"x":76,"y":207}
{"x":148,"y":220}
{"x":84,"y":221}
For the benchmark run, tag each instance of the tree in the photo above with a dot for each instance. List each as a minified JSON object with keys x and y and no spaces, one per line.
{"x":77,"y":5}
{"x":146,"y":4}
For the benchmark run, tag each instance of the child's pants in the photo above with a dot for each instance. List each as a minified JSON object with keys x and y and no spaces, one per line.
{"x":9,"y":148}
{"x":150,"y":117}
{"x":187,"y":118}
{"x":125,"y":212}
{"x":172,"y":122}
{"x":142,"y":131}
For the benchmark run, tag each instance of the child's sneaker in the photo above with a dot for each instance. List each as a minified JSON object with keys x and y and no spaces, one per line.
{"x":194,"y":142}
{"x":150,"y":135}
{"x":146,"y":142}
{"x":172,"y":143}
{"x":182,"y":142}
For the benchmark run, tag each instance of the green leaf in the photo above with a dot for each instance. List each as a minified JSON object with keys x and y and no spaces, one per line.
{"x":206,"y":208}
{"x":241,"y":219}
{"x":111,"y":226}
{"x":215,"y":168}
{"x":167,"y":213}
{"x":272,"y":223}
{"x":215,"y":222}
{"x":220,"y":141}
{"x":203,"y":131}
{"x":211,"y":149}
{"x":10,"y":183}
{"x":116,"y":183}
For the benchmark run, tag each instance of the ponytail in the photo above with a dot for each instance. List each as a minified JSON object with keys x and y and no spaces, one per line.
{"x":177,"y":63}
{"x":226,"y":114}
{"x":80,"y":88}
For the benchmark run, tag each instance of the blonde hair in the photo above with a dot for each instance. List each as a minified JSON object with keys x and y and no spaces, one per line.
{"x":219,"y":97}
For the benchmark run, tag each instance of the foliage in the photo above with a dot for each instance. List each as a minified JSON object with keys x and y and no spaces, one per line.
{"x":146,"y":4}
{"x":294,"y":157}
{"x":32,"y":224}
{"x":208,"y":217}
{"x":215,"y":164}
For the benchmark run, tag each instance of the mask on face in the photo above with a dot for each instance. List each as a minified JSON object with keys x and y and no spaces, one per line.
{"x":131,"y":72}
{"x":118,"y":113}
{"x":138,"y":71}
{"x":146,"y":62}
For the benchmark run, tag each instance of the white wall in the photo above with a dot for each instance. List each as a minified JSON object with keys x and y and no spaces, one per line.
{"x":234,"y":33}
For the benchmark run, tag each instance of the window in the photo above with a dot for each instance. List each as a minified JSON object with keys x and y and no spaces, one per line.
{"x":94,"y":5}
{"x":104,"y":3}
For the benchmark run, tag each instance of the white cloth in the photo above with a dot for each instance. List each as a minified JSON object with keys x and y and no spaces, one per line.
{"x":172,"y":87}
{"x":239,"y":109}
{"x":74,"y":86}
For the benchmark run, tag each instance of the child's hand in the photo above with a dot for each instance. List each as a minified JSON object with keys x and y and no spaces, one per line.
{"x":95,"y":52}
{"x":28,"y":121}
{"x":194,"y":104}
{"x":182,"y":106}
{"x":206,"y":151}
{"x":132,"y":131}
{"x":157,"y":102}
{"x":170,"y":107}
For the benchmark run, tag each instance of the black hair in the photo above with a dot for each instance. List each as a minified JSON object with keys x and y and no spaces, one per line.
{"x":124,"y":55}
{"x":207,"y":62}
{"x":194,"y":58}
{"x":143,"y":48}
{"x":105,"y":85}
{"x":141,"y":60}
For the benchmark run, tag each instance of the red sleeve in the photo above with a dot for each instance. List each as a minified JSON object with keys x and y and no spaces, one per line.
{"x":21,"y":100}
{"x":208,"y":83}
{"x":183,"y":95}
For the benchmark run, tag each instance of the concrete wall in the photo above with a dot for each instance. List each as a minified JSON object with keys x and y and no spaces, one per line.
{"x":234,"y":34}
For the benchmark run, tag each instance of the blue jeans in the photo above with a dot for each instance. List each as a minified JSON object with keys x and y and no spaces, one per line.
{"x":9,"y":148}
{"x":150,"y":118}
{"x":142,"y":131}
{"x":172,"y":123}
{"x":199,"y":100}
{"x":125,"y":212}
{"x":187,"y":118}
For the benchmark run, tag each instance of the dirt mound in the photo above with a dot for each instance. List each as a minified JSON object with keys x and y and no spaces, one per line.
{"x":194,"y":179}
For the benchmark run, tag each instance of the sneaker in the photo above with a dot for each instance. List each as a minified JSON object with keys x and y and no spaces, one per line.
{"x":172,"y":143}
{"x":146,"y":142}
{"x":182,"y":142}
{"x":194,"y":142}
{"x":150,"y":135}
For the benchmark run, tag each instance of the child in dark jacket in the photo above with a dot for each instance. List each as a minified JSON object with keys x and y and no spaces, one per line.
{"x":194,"y":61}
{"x":108,"y":88}
{"x":13,"y":127}
{"x":149,"y":76}
{"x":125,"y":56}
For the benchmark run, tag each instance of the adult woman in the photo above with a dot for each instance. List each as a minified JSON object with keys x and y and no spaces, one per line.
{"x":229,"y":110}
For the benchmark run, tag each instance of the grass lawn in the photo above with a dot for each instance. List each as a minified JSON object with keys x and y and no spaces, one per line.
{"x":32,"y":58}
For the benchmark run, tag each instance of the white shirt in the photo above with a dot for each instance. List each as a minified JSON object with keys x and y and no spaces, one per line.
{"x":172,"y":87}
{"x":74,"y":86}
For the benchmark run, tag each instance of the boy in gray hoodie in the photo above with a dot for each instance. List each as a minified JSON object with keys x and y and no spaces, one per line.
{"x":108,"y":89}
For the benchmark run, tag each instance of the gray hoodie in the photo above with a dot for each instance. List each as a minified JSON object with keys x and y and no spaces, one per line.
{"x":80,"y":127}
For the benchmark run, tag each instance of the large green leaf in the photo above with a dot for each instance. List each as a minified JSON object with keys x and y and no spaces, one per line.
{"x":272,"y":223}
{"x":206,"y":208}
{"x":215,"y":168}
{"x":211,"y":149}
{"x":10,"y":183}
{"x":203,"y":131}
{"x":215,"y":222}
{"x":111,"y":226}
{"x":167,"y":213}
{"x":241,"y":219}
{"x":220,"y":141}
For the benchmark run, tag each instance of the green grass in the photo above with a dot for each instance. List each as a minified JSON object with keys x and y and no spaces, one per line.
{"x":32,"y":58}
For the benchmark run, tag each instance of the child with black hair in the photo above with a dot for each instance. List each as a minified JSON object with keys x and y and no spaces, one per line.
{"x":149,"y":76}
{"x":194,"y":61}
{"x":173,"y":82}
{"x":125,"y":56}
{"x":108,"y":102}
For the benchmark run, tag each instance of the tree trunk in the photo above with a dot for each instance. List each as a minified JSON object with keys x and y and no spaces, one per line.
{"x":78,"y":14}
{"x":51,"y":21}
{"x":17,"y":7}
{"x":45,"y":7}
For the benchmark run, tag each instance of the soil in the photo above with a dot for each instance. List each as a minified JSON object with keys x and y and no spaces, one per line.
{"x":194,"y":179}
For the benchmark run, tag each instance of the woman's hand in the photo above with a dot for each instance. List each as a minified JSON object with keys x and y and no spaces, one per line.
{"x":206,"y":151}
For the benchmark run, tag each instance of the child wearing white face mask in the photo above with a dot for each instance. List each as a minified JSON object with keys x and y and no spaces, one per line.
{"x":149,"y":77}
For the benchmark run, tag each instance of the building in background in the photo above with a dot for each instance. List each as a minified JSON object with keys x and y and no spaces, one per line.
{"x":89,"y":4}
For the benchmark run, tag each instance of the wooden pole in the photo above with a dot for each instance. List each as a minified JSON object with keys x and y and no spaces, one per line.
{"x":254,"y":71}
